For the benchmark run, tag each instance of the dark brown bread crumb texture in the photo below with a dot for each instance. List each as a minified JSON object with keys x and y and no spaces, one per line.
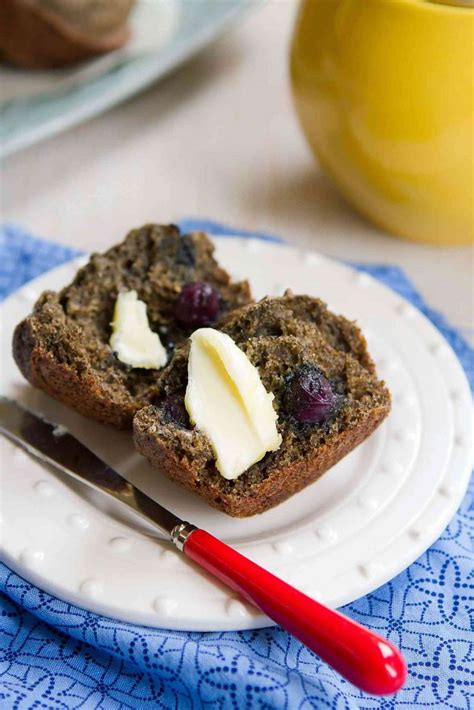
{"x":278,"y":335}
{"x":62,"y":347}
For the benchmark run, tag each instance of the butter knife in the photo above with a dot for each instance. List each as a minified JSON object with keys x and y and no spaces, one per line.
{"x":364,"y":658}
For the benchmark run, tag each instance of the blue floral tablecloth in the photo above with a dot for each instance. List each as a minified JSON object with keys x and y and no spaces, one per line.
{"x":55,"y":655}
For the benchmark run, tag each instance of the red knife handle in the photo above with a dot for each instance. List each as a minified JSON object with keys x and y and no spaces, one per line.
{"x":365,"y":659}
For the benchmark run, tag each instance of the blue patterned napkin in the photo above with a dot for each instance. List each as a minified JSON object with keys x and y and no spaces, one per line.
{"x":55,"y":655}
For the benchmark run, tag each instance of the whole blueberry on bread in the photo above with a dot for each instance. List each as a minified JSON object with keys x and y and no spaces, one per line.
{"x":100,"y":344}
{"x":295,"y":376}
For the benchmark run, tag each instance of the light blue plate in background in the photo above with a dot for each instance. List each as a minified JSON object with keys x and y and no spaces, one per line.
{"x":25,"y":121}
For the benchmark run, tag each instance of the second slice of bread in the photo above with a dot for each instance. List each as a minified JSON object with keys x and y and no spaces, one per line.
{"x":279,"y":336}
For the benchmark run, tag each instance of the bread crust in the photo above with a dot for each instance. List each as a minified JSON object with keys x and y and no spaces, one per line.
{"x":80,"y":390}
{"x":280,"y":484}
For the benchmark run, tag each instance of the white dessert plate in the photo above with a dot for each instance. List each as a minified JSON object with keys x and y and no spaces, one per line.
{"x":357,"y":527}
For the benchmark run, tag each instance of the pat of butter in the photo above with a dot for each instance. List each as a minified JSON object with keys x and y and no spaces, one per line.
{"x":227,"y":401}
{"x":132,"y":340}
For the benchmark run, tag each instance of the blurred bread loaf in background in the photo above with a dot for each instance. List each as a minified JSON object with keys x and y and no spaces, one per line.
{"x":43,"y":34}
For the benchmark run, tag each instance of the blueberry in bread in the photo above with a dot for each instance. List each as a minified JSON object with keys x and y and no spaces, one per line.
{"x":63,"y":346}
{"x":327,"y":397}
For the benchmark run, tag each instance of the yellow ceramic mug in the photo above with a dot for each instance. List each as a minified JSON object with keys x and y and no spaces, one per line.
{"x":384,"y":91}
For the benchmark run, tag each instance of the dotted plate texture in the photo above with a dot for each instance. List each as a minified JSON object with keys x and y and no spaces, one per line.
{"x":362,"y":523}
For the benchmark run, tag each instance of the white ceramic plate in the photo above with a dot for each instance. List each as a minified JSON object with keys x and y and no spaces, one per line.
{"x":165,"y":33}
{"x":357,"y":527}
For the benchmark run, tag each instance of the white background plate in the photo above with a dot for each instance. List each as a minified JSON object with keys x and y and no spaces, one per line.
{"x":165,"y":33}
{"x":152,"y":25}
{"x":348,"y":533}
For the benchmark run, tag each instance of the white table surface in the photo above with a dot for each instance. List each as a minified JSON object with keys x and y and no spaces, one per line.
{"x":217,"y":139}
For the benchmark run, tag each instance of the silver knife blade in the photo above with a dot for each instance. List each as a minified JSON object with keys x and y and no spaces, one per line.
{"x":55,"y":446}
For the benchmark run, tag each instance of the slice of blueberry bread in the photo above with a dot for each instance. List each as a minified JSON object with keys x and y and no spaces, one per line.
{"x":63,"y":347}
{"x":326,"y":395}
